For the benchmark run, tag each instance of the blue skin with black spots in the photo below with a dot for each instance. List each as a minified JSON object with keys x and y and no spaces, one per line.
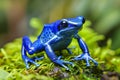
{"x":57,"y":36}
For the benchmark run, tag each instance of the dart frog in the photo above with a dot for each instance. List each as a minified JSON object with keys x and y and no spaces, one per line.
{"x":57,"y":36}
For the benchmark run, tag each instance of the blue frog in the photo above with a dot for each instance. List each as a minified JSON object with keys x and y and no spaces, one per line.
{"x":57,"y":36}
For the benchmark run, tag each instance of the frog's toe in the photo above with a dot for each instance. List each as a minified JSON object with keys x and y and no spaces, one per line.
{"x":62,"y":62}
{"x":86,"y":57}
{"x":27,"y":65}
{"x":36,"y":64}
{"x":95,"y":62}
{"x":28,"y":60}
{"x":80,"y":57}
{"x":36,"y":58}
{"x":89,"y":58}
{"x":67,"y":62}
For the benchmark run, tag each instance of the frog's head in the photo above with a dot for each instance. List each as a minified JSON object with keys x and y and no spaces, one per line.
{"x":70,"y":25}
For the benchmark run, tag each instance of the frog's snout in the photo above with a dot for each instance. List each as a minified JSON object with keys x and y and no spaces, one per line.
{"x":82,"y":19}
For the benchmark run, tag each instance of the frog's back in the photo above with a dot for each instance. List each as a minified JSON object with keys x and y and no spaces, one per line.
{"x":46,"y":34}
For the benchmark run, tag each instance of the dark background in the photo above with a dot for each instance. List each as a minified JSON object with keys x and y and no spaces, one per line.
{"x":15,"y":16}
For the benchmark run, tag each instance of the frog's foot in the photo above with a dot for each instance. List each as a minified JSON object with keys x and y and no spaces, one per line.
{"x":31,"y":60}
{"x":62,"y":62}
{"x":86,"y":57}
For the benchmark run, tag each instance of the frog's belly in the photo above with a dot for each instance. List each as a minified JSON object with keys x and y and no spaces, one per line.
{"x":62,"y":44}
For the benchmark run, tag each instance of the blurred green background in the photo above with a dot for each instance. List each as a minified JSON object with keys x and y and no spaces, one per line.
{"x":15,"y":16}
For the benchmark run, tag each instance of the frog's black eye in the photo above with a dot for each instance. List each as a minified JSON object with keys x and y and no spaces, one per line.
{"x":62,"y":25}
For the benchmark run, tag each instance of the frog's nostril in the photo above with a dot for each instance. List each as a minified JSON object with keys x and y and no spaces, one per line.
{"x":83,"y":20}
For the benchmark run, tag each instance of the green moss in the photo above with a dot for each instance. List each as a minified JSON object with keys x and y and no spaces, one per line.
{"x":12,"y":66}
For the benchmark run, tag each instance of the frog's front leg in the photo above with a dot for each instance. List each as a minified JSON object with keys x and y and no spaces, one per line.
{"x":50,"y":53}
{"x":31,"y":48}
{"x":85,"y":55}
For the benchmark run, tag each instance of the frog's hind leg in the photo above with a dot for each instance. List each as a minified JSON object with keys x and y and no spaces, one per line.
{"x":31,"y":48}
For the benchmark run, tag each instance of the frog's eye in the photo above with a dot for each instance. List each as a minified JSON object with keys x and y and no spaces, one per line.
{"x":62,"y":25}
